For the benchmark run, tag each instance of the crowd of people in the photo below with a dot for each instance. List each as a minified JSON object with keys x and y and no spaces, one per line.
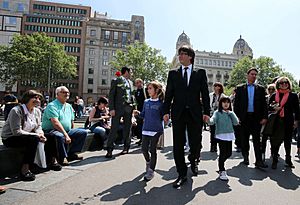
{"x":271,"y":113}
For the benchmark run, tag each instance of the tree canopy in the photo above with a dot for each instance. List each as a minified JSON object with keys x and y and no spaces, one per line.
{"x":146,"y":62}
{"x":268,"y":71}
{"x":31,"y":56}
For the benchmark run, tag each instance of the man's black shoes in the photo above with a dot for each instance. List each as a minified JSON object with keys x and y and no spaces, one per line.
{"x":179,"y":182}
{"x":260,"y":164}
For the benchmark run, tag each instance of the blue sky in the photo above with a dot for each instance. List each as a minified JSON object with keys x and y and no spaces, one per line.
{"x":271,"y":27}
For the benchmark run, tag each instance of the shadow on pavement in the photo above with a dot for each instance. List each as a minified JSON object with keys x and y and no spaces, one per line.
{"x":283,"y":176}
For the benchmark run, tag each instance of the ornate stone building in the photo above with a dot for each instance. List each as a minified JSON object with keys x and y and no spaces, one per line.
{"x":217,"y":65}
{"x":104,"y":37}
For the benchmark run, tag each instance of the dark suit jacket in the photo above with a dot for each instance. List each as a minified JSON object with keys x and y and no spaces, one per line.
{"x":179,"y":96}
{"x":117,"y":93}
{"x":241,"y":102}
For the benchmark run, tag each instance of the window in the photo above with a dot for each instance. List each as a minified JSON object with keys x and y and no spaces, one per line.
{"x":115,"y":44}
{"x":20,"y":7}
{"x":201,"y":61}
{"x":205,"y":61}
{"x":91,"y":71}
{"x":90,"y":81}
{"x":93,"y":32}
{"x":210,"y":62}
{"x":229,"y":63}
{"x":91,"y":61}
{"x":105,"y":53}
{"x":104,"y":72}
{"x":90,"y":90}
{"x":106,"y":34}
{"x":5,"y":4}
{"x":137,"y":24}
{"x":13,"y":20}
{"x":105,"y":62}
{"x":92,"y":51}
{"x":113,"y":53}
{"x":104,"y":82}
{"x":92,"y":42}
{"x":116,"y":35}
{"x":106,"y":44}
{"x":226,"y":63}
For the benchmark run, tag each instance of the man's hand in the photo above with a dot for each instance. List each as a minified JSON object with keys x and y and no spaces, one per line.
{"x":205,"y":118}
{"x":68,"y":139}
{"x":112,"y":113}
{"x":166,"y":118}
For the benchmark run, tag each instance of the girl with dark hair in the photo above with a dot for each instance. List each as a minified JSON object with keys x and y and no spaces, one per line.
{"x":214,"y":98}
{"x":224,"y":119}
{"x":153,"y":126}
{"x":99,"y":117}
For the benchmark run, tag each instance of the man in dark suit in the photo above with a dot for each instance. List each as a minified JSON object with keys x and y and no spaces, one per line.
{"x":120,"y":105}
{"x":185,"y":87}
{"x":250,"y":107}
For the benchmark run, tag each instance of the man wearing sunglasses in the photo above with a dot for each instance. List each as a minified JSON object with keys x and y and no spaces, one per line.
{"x":58,"y":123}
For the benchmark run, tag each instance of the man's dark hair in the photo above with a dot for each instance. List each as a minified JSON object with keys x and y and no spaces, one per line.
{"x":30,"y":94}
{"x":102,"y":100}
{"x":251,"y":69}
{"x":190,"y":52}
{"x":124,"y":69}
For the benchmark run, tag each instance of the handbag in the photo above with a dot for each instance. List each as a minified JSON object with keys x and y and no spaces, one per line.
{"x":270,"y":125}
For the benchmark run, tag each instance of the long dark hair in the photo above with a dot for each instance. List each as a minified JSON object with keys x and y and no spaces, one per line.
{"x":224,"y":99}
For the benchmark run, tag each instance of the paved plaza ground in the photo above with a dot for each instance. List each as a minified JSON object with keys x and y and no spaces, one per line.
{"x":96,"y":180}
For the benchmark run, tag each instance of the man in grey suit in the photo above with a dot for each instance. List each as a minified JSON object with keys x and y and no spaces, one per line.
{"x":120,"y":105}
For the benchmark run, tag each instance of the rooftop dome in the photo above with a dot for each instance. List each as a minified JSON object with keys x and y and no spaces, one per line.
{"x":183,"y":39}
{"x":241,"y":48}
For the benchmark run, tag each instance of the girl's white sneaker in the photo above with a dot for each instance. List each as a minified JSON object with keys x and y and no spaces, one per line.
{"x":223,"y":176}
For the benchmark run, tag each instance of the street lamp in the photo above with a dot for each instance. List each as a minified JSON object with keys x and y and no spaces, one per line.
{"x":49,"y":74}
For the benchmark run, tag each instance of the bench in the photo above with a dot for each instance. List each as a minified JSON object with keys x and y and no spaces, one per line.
{"x":11,"y":158}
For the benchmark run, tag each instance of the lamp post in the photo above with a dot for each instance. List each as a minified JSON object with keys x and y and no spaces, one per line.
{"x":49,"y":76}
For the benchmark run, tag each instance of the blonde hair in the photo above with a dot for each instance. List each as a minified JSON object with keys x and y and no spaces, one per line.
{"x":281,"y":79}
{"x":158,"y":89}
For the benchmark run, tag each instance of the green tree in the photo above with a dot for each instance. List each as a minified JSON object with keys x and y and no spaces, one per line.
{"x":29,"y":57}
{"x":146,"y":62}
{"x":268,"y":70}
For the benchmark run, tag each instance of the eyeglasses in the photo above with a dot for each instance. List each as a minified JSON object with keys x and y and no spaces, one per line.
{"x":182,"y":53}
{"x":283,"y":82}
{"x":36,"y":97}
{"x":65,"y":92}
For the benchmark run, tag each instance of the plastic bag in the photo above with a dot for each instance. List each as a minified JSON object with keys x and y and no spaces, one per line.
{"x":40,"y":157}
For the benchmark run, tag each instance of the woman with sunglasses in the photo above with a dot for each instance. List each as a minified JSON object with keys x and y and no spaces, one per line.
{"x":286,"y":104}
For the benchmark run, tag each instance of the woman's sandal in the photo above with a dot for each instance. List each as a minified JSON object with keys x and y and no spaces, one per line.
{"x":28,"y":176}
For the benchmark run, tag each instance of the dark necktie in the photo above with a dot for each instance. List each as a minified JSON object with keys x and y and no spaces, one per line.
{"x":185,"y":77}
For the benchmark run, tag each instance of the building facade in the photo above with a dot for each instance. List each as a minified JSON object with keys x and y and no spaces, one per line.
{"x":104,"y":37}
{"x":217,"y":65}
{"x":67,"y":25}
{"x":11,"y":14}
